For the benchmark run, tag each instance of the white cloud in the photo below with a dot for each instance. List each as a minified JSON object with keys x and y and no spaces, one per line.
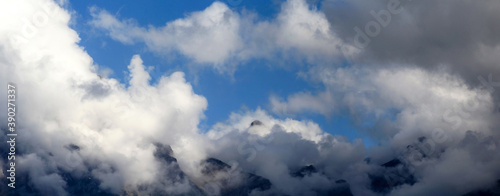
{"x":223,"y":38}
{"x":307,"y":30}
{"x":404,"y":104}
{"x":65,"y":102}
{"x":208,"y":36}
{"x":419,"y":100}
{"x":114,"y":126}
{"x":322,"y":103}
{"x":276,"y":148}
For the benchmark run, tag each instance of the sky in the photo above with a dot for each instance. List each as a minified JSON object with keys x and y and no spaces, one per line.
{"x":388,"y":97}
{"x":249,"y":86}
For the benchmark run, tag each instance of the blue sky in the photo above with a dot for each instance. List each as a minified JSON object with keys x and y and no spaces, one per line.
{"x":248,"y":88}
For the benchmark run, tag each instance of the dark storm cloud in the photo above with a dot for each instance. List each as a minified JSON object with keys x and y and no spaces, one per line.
{"x":462,"y":36}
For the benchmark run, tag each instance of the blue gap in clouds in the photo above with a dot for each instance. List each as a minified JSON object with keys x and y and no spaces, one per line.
{"x":155,"y":13}
{"x":254,"y":81}
{"x":342,"y":124}
{"x":253,"y":85}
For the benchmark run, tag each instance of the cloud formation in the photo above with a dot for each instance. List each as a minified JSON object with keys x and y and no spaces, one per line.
{"x":223,"y":38}
{"x":66,"y":103}
{"x":460,"y":36}
{"x":208,"y":36}
{"x":84,"y":133}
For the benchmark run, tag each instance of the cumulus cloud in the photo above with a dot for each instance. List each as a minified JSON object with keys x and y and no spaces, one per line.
{"x":222,"y":38}
{"x":298,"y":165}
{"x":395,"y":102}
{"x":208,"y":36}
{"x":80,"y":126}
{"x":412,"y":82}
{"x":276,"y":149}
{"x":113,"y":125}
{"x":419,"y":69}
{"x":82,"y":133}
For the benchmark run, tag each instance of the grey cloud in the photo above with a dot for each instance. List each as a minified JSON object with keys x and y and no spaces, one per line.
{"x":282,"y":152}
{"x":461,"y":36}
{"x":96,"y":90}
